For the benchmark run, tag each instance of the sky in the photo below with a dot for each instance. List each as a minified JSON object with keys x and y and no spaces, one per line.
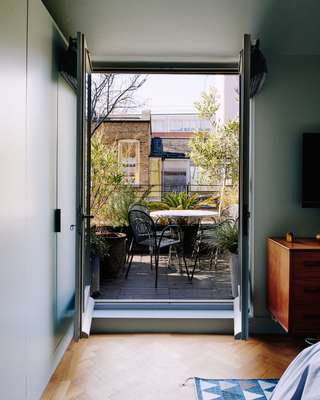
{"x":177,"y":93}
{"x":173,"y":93}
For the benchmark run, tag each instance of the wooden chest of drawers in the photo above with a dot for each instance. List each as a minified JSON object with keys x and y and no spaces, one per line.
{"x":293,"y":285}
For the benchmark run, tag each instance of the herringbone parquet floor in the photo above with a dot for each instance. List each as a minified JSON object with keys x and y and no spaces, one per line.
{"x":153,"y":366}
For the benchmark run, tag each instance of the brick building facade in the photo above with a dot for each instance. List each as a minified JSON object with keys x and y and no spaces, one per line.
{"x":152,"y":157}
{"x":135,"y":130}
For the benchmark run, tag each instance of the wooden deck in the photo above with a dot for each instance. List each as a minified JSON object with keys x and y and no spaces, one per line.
{"x":208,"y":283}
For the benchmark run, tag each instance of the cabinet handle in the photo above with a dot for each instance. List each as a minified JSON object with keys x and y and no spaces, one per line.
{"x":311,"y":264}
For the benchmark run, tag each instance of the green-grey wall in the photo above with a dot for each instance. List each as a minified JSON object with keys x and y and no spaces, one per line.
{"x":288,"y":106}
{"x":37,"y":275}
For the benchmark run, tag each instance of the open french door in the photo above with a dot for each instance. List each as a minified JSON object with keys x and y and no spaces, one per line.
{"x":84,"y":303}
{"x":241,"y":303}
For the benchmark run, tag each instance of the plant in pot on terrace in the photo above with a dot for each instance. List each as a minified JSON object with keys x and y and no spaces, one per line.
{"x":184,"y":201}
{"x":106,"y":178}
{"x":120,"y":201}
{"x":118,"y":233}
{"x":99,"y":250}
{"x":180,"y":201}
{"x":225,"y":237}
{"x":113,"y":261}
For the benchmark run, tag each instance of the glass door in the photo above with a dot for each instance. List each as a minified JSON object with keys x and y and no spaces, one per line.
{"x":84,"y":303}
{"x":241,"y":302}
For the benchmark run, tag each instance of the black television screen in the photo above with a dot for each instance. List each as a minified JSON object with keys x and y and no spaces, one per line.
{"x":311,"y":170}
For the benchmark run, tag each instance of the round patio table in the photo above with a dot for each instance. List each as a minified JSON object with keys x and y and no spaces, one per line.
{"x":184,"y":214}
{"x":175,"y":214}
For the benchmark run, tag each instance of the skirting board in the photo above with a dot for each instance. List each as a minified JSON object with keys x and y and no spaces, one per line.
{"x":264,"y":325}
{"x":59,"y":353}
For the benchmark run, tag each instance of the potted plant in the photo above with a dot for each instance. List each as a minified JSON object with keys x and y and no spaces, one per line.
{"x":112,"y":253}
{"x":99,"y":249}
{"x":226,"y":239}
{"x":119,"y":203}
{"x":107,"y":178}
{"x":184,"y":201}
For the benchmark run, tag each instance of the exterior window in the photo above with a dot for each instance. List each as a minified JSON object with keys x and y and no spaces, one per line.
{"x":128,"y":153}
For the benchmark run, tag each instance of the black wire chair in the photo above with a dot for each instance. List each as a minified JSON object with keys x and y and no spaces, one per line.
{"x":139,"y":207}
{"x":145,"y":209}
{"x":145,"y":235}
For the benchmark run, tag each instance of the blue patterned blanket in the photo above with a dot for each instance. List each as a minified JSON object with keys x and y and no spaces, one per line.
{"x":234,"y":389}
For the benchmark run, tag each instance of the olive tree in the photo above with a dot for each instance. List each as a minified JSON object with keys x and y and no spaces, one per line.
{"x":216,"y":152}
{"x":107,"y":176}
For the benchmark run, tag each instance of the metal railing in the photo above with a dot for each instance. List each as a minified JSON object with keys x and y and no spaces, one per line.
{"x":156,"y":192}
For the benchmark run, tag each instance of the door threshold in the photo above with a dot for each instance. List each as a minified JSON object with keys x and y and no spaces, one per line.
{"x":225,"y":305}
{"x":162,"y":321}
{"x":164,"y":314}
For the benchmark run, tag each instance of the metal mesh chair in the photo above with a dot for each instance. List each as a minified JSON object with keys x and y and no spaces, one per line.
{"x":141,"y":207}
{"x":145,"y":234}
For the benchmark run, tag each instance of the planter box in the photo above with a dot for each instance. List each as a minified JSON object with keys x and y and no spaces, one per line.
{"x":114,"y":262}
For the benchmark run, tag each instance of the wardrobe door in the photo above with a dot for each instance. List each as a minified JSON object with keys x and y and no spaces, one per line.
{"x":66,"y":200}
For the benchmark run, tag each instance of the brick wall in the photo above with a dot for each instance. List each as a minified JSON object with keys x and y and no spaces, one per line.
{"x":113,"y":131}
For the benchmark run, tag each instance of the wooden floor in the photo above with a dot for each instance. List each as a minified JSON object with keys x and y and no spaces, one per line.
{"x":154,"y":366}
{"x":209,"y":283}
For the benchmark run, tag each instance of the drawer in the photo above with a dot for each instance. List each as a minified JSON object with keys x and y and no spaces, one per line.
{"x":306,"y":319}
{"x":306,"y":265}
{"x":306,"y":292}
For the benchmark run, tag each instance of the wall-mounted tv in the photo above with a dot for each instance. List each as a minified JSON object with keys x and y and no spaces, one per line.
{"x":311,"y":170}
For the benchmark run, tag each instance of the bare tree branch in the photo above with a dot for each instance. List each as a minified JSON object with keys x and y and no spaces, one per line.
{"x":110,"y":92}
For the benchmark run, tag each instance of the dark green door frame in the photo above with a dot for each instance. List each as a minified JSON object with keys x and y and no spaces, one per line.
{"x":217,"y":68}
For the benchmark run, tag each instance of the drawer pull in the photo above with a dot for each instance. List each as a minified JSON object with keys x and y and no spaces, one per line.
{"x":311,"y":316}
{"x":312,"y":264}
{"x":312,"y":290}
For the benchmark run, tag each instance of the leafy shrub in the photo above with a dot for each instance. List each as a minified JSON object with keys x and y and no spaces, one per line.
{"x":157,"y":205}
{"x":111,"y":194}
{"x":106,"y":177}
{"x":180,"y":201}
{"x":98,"y":245}
{"x":120,"y":201}
{"x":223,"y":236}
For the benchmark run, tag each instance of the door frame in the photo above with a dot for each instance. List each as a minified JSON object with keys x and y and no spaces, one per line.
{"x":242,"y":305}
{"x":84,"y":304}
{"x":190,"y":68}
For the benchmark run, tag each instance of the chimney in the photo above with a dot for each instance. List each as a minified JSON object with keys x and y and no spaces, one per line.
{"x":146,"y":115}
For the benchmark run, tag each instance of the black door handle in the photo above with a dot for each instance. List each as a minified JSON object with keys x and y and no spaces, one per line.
{"x":57,"y":220}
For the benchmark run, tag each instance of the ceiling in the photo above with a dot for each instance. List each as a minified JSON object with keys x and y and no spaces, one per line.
{"x":188,"y":30}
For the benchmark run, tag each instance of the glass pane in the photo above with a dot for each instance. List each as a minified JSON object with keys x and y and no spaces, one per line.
{"x":165,"y":143}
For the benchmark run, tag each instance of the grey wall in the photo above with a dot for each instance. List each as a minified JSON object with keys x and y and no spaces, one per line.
{"x":288,"y":106}
{"x":37,"y":272}
{"x":13,"y":198}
